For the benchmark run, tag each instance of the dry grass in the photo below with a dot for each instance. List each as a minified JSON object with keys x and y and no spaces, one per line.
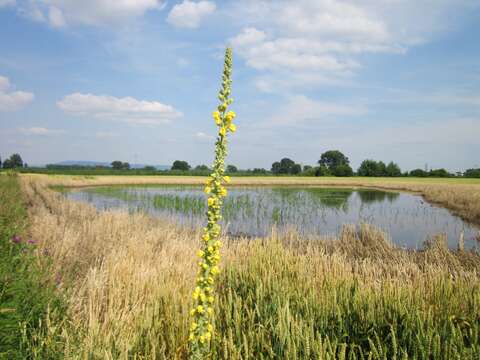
{"x":127,"y":280}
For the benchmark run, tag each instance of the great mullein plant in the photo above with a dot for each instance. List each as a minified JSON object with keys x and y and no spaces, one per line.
{"x":202,"y":325}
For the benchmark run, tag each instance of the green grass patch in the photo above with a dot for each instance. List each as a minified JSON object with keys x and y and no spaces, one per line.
{"x":25,"y":294}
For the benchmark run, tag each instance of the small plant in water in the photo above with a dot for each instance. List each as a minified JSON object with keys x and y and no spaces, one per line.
{"x":202,"y":327}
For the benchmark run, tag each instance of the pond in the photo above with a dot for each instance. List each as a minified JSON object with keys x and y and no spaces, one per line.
{"x":312,"y":211}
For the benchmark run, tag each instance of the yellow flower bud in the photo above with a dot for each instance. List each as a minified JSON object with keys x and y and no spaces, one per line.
{"x":232,"y":128}
{"x":227,"y":179}
{"x":222,"y":131}
{"x":208,"y":190}
{"x":200,"y":253}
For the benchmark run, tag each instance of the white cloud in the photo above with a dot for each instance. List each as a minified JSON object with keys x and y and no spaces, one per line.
{"x":55,"y":17}
{"x":41,"y":131}
{"x":127,"y":109}
{"x":12,"y":100}
{"x":189,"y":14}
{"x":59,"y":13}
{"x":7,"y":3}
{"x":325,"y":38}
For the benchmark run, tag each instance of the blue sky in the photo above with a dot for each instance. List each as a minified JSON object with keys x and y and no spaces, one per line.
{"x":137,"y":80}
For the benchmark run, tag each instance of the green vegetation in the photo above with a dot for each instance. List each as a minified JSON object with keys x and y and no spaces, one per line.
{"x":472,"y":173}
{"x":25,"y":295}
{"x":286,"y":166}
{"x":379,"y":169}
{"x":13,"y":162}
{"x":180,"y":165}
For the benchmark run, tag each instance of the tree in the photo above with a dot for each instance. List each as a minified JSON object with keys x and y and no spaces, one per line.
{"x":393,"y":170}
{"x":332,"y":159}
{"x":439,"y":173}
{"x":368,"y":168}
{"x":259,"y":171}
{"x":342,"y":170}
{"x":472,"y":173}
{"x":117,"y":165}
{"x":180,"y":165}
{"x":0,"y":162}
{"x":286,"y":166}
{"x":231,"y":169}
{"x":13,"y":162}
{"x":322,"y":170}
{"x":418,"y":173}
{"x":125,"y":166}
{"x":149,"y":168}
{"x":296,"y":169}
{"x":201,"y":168}
{"x":382,"y":169}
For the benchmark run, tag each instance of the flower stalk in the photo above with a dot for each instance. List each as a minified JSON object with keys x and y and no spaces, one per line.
{"x":202,"y":325}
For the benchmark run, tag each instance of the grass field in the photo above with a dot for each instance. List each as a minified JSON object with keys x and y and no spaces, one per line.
{"x":127,"y":280}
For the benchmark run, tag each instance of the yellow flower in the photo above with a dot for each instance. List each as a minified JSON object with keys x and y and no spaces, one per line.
{"x":232,"y":128}
{"x":227,"y":179}
{"x":211,"y":201}
{"x":216,"y":117}
{"x":223,"y":192}
{"x":200,"y":253}
{"x":210,"y":327}
{"x":208,"y":190}
{"x":215,"y":270}
{"x":230,"y":116}
{"x":200,"y":309}
{"x":191,"y":337}
{"x":223,"y":131}
{"x":193,"y":326}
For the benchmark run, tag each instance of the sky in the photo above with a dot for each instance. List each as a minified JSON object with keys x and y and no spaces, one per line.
{"x":137,"y":80}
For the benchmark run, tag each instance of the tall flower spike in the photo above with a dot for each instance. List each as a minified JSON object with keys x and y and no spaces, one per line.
{"x":202,"y":323}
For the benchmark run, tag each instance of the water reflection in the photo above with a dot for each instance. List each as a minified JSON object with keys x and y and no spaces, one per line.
{"x":310,"y":211}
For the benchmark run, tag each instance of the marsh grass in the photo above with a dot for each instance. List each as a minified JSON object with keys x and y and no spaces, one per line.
{"x":128,"y":280}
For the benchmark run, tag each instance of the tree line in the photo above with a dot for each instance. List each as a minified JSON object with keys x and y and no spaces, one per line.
{"x":330,"y":163}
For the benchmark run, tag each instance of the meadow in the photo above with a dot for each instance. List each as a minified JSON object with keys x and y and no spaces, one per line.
{"x":121,"y":283}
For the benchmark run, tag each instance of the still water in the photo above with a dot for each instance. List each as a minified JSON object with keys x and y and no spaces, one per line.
{"x":312,"y":211}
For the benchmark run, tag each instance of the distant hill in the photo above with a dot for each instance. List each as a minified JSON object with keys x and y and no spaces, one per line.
{"x":106,"y":164}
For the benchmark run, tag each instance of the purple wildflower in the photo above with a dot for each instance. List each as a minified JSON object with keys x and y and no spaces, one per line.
{"x":16,"y":239}
{"x":31,"y":241}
